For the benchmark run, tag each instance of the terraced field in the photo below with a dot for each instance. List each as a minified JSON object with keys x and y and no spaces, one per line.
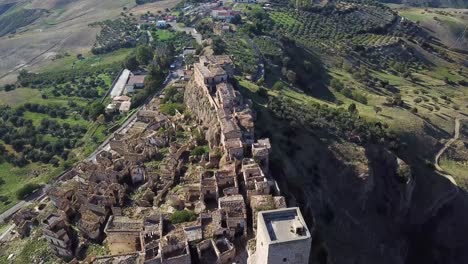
{"x":317,"y":30}
{"x":374,"y":40}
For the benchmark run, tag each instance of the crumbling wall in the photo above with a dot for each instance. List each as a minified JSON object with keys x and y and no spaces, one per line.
{"x":198,"y":102}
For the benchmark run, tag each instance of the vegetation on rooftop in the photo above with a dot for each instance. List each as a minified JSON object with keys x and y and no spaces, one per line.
{"x":183,"y":216}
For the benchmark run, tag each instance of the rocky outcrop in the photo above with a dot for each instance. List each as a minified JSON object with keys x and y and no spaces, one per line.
{"x":395,"y":185}
{"x":197,"y":102}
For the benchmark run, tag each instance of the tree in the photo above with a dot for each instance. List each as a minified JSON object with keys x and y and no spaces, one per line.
{"x":9,"y":87}
{"x":352,"y":108}
{"x":131,"y":62}
{"x":143,"y":54}
{"x":278,"y":86}
{"x":262,"y":92}
{"x":95,"y":109}
{"x":27,"y":190}
{"x":236,"y":20}
{"x":219,"y":47}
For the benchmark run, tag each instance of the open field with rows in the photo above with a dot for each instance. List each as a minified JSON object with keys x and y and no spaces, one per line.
{"x":64,"y":28}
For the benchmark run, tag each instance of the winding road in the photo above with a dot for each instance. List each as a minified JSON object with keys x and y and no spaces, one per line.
{"x":444,"y":148}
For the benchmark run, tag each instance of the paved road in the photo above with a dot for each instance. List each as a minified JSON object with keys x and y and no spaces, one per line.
{"x":7,"y":232}
{"x":444,"y":148}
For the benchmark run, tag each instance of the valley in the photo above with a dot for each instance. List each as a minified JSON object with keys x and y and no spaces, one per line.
{"x":364,"y":103}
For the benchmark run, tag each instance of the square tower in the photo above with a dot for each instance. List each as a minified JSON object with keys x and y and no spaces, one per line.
{"x":282,"y":237}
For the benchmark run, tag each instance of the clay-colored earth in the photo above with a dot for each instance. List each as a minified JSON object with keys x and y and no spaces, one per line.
{"x":63,"y":29}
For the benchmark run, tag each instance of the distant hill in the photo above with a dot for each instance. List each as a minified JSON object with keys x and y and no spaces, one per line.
{"x":431,"y":3}
{"x":11,"y":21}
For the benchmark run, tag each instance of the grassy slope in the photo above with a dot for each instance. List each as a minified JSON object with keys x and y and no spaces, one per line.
{"x":448,"y":27}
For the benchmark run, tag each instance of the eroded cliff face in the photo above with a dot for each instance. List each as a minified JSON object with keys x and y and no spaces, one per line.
{"x":197,"y":103}
{"x":358,"y":197}
{"x":393,"y":192}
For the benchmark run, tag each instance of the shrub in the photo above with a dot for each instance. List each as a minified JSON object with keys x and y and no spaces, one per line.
{"x":27,"y":190}
{"x":278,"y":86}
{"x":170,"y":108}
{"x":183,"y":216}
{"x":199,"y":150}
{"x":262,"y":92}
{"x":336,"y":84}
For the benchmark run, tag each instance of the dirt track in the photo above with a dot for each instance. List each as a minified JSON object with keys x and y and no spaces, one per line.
{"x":444,"y":148}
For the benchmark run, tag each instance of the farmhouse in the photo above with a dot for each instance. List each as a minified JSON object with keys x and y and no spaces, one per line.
{"x":135,"y":82}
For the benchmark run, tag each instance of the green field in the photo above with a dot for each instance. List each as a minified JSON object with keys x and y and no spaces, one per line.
{"x":283,"y":18}
{"x":90,"y":60}
{"x":164,"y":35}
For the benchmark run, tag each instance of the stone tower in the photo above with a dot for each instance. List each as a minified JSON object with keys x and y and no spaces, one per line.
{"x":282,"y":237}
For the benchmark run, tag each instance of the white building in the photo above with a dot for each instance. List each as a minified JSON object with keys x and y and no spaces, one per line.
{"x":282,"y":237}
{"x":161,"y":24}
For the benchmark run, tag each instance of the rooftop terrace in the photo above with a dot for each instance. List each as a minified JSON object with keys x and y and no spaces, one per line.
{"x":283,"y":224}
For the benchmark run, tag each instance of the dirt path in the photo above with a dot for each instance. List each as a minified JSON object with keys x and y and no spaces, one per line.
{"x":444,"y":148}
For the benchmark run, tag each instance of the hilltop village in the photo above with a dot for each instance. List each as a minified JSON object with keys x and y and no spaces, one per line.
{"x":182,"y":188}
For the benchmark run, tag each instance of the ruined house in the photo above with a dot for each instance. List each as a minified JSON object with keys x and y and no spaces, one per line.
{"x":254,"y":179}
{"x":209,"y":189}
{"x":150,"y":238}
{"x":58,"y":234}
{"x":137,"y":173}
{"x":235,"y":214}
{"x":175,"y":250}
{"x":223,"y":61}
{"x":219,"y":251}
{"x":91,"y":224}
{"x":226,"y":178}
{"x":261,"y":152}
{"x":24,"y":221}
{"x":123,"y":234}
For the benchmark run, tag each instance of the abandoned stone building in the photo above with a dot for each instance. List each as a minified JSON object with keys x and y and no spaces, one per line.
{"x":123,"y":234}
{"x":127,"y":195}
{"x":235,"y":214}
{"x":217,"y":251}
{"x":57,"y":232}
{"x":24,"y":220}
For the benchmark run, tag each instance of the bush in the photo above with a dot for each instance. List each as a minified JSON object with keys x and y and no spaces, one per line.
{"x":170,"y":108}
{"x":27,"y":190}
{"x":278,"y":86}
{"x":336,"y":84}
{"x":262,"y":92}
{"x":183,"y":216}
{"x":199,"y":150}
